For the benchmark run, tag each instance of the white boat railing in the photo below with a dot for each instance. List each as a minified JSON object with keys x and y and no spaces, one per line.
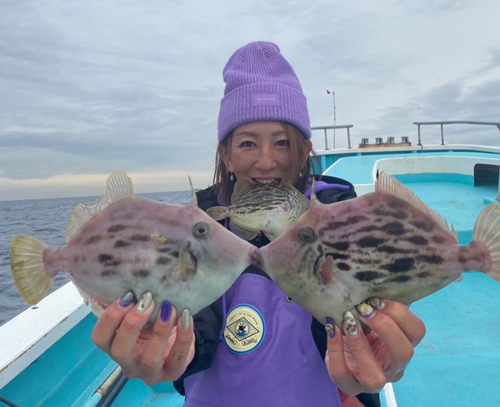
{"x":340,"y":126}
{"x":442,"y":123}
{"x":418,"y":124}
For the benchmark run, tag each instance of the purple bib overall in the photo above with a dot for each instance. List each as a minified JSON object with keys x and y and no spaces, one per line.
{"x":283,"y":366}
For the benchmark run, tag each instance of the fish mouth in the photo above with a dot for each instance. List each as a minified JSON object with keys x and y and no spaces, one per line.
{"x":188,"y":263}
{"x":324,"y":268}
{"x":257,"y":259}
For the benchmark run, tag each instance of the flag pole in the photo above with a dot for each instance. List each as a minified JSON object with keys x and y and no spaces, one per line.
{"x":334,"y":115}
{"x":334,"y":119}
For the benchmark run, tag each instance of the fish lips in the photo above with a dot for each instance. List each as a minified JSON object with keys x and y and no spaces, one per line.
{"x":188,"y":263}
{"x":324,"y":268}
{"x":257,"y":258}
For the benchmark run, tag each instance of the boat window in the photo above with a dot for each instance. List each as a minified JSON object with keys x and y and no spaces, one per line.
{"x":485,"y":174}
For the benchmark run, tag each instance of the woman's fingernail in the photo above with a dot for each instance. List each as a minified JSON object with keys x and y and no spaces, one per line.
{"x":144,"y":301}
{"x":350,"y":324}
{"x":330,"y":327}
{"x":166,"y":311}
{"x":127,"y":299}
{"x":375,"y":303}
{"x":366,"y":310}
{"x":186,"y":319}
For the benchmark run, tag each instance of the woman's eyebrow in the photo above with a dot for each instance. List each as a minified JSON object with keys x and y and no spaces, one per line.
{"x":246,"y":134}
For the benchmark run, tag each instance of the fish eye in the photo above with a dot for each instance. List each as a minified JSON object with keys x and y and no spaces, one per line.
{"x":307,"y":235}
{"x":201,"y":229}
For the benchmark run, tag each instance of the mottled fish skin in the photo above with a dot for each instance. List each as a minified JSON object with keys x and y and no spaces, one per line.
{"x":270,"y":208}
{"x":178,"y":253}
{"x":377,"y":245}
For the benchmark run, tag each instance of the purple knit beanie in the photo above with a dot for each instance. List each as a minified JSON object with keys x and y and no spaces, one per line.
{"x":261,"y":85}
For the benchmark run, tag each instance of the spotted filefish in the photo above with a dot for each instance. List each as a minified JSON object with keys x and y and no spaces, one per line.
{"x":263,"y":207}
{"x":387,"y":244}
{"x":176,"y":252}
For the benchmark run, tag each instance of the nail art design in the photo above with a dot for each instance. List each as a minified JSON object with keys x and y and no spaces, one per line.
{"x":144,"y":301}
{"x":330,"y":327}
{"x":350,"y":324}
{"x":376,"y":303}
{"x":166,"y":311}
{"x":366,"y":310}
{"x":127,"y":299}
{"x":186,"y":319}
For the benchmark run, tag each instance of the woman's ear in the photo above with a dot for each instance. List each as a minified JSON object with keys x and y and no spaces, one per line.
{"x":310,"y":146}
{"x":223,"y":151}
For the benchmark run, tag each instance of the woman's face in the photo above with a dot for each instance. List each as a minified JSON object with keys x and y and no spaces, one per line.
{"x":259,"y":151}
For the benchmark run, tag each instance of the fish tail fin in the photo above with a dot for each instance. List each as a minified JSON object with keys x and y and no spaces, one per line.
{"x":28,"y":270}
{"x":487,"y":230}
{"x":217,"y":212}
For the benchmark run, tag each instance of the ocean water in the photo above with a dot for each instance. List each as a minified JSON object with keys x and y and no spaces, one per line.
{"x":45,"y":219}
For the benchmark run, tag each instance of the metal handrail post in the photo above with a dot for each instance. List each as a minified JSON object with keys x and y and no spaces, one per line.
{"x":326,"y":128}
{"x":419,"y":136}
{"x":498,"y":195}
{"x":442,"y":135}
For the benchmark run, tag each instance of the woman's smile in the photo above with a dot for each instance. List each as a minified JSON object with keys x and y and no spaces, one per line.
{"x":260,"y":151}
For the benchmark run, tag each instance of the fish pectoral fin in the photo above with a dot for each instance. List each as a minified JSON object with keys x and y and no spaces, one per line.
{"x":217,"y":212}
{"x":243,"y":233}
{"x":187,"y":266}
{"x":87,"y":299}
{"x":97,"y":308}
{"x":28,"y":270}
{"x":325,"y":269}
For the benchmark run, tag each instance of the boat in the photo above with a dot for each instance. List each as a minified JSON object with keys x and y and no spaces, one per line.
{"x":47,"y":357}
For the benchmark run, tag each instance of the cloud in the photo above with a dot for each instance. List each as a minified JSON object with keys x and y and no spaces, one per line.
{"x":91,"y":87}
{"x":74,"y":185}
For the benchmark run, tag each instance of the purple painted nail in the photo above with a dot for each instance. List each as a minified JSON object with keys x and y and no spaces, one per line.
{"x":330,"y":327}
{"x":166,"y":311}
{"x":127,"y":299}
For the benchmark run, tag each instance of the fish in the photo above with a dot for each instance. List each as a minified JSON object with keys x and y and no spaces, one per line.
{"x":264,"y":207}
{"x":176,"y":252}
{"x":386,"y":245}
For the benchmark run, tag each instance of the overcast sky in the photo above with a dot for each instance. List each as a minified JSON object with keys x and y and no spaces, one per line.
{"x":87,"y":87}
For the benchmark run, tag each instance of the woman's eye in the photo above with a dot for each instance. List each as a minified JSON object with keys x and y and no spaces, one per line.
{"x":283,"y":143}
{"x":246,"y":144}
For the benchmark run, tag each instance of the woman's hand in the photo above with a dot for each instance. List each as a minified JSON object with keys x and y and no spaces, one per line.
{"x":364,"y":364}
{"x":157,"y":355}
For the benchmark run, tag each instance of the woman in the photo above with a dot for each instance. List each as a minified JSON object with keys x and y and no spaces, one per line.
{"x":255,"y":345}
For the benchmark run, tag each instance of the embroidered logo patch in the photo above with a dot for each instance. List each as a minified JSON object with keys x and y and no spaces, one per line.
{"x":266,"y":99}
{"x":245,"y":329}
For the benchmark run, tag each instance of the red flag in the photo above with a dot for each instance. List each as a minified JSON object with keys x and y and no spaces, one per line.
{"x":327,"y":91}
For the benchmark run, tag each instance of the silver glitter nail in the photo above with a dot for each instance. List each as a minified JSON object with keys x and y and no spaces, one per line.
{"x":186,"y":319}
{"x":144,"y":301}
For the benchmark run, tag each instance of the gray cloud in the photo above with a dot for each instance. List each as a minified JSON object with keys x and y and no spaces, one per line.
{"x":88,"y":87}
